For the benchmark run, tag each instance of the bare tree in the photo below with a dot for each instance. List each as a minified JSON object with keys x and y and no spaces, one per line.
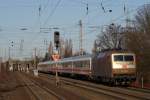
{"x":111,"y":37}
{"x":139,"y":40}
{"x":96,"y":47}
{"x":143,"y":19}
{"x":62,"y":48}
{"x":68,"y":48}
{"x":49,"y":53}
{"x":50,"y":49}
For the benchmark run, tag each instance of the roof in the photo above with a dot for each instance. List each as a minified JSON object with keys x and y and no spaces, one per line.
{"x":69,"y":59}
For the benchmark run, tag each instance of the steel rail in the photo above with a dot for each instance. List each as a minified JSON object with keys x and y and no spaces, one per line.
{"x":111,"y":91}
{"x":39,"y":87}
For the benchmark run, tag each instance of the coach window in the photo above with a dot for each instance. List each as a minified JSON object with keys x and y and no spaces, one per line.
{"x":77,"y":64}
{"x":64,"y":64}
{"x":87,"y":63}
{"x":59,"y":64}
{"x":74,"y":64}
{"x":84,"y":64}
{"x":81,"y":64}
{"x":68,"y":64}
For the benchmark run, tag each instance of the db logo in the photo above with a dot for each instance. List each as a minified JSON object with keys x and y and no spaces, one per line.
{"x":124,"y":66}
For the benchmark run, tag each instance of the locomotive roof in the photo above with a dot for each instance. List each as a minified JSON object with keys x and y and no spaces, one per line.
{"x":109,"y":52}
{"x":77,"y":58}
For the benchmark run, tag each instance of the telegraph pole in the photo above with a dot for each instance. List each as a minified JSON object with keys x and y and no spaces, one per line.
{"x":9,"y":53}
{"x":35,"y":58}
{"x":46,"y":45}
{"x":21,"y":47}
{"x":126,"y":12}
{"x":5,"y":54}
{"x":9,"y":49}
{"x":81,"y":37}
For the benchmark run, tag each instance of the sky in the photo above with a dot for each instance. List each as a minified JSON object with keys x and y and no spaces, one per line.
{"x":29,"y":24}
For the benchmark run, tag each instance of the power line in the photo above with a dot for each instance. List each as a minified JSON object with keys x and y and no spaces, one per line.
{"x":52,"y":12}
{"x":78,"y":1}
{"x":118,"y":18}
{"x":46,"y":5}
{"x":5,"y":6}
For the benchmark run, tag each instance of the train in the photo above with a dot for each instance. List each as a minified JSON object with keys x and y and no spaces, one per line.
{"x":112,"y":67}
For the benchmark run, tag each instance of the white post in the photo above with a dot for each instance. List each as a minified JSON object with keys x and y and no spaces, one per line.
{"x":72,"y":66}
{"x":90,"y":63}
{"x":57,"y":78}
{"x":0,"y":67}
{"x":35,"y":71}
{"x":0,"y":63}
{"x":142,"y":81}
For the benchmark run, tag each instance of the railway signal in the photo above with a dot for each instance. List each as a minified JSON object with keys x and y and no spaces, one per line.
{"x":56,"y":39}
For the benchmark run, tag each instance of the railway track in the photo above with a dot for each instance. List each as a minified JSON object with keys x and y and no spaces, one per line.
{"x":111,"y":91}
{"x":61,"y":93}
{"x":139,"y":89}
{"x":38,"y":92}
{"x":116,"y":92}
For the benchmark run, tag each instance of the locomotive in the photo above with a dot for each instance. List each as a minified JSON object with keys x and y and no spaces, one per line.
{"x":113,"y":67}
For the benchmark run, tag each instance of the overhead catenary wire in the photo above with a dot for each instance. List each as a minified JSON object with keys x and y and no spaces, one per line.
{"x":40,"y":11}
{"x":88,"y":14}
{"x":52,"y":12}
{"x":79,"y":1}
{"x":45,"y":6}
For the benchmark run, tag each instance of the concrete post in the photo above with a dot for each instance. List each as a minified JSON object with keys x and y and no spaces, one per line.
{"x":142,"y":82}
{"x":57,"y":78}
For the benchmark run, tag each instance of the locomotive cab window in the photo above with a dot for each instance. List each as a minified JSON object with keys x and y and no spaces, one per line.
{"x":123,"y":58}
{"x":118,"y":57}
{"x":128,"y":58}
